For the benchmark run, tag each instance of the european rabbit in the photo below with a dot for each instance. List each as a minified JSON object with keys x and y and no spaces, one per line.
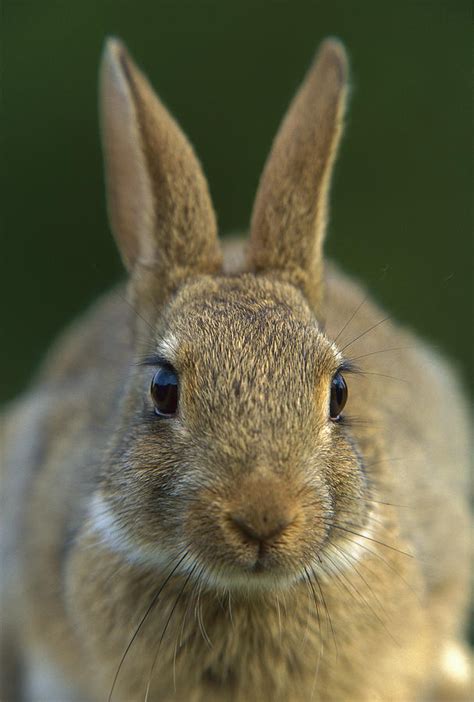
{"x":190,"y":511}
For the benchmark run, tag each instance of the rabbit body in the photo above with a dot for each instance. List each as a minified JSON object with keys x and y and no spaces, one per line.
{"x":277,"y":554}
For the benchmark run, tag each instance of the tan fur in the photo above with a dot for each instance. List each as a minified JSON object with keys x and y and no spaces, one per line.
{"x":295,"y":558}
{"x":159,"y":204}
{"x":290,"y":213}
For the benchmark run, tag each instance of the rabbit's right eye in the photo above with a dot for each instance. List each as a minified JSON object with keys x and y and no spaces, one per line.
{"x":338,"y":397}
{"x":164,"y":392}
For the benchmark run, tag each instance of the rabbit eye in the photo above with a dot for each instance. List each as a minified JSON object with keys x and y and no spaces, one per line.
{"x":164,"y":392}
{"x":338,"y":396}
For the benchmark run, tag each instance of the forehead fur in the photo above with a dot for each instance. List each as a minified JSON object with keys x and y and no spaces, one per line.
{"x":258,"y":331}
{"x":240,"y":307}
{"x":245,"y":294}
{"x":249,"y":352}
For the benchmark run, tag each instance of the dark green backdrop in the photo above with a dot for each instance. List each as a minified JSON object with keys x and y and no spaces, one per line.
{"x":401,"y":216}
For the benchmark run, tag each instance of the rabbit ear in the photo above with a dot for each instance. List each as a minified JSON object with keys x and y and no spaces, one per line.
{"x":290,"y":210}
{"x":159,"y":204}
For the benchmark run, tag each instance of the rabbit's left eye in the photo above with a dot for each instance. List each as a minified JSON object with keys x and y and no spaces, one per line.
{"x":164,"y":392}
{"x":338,"y":396}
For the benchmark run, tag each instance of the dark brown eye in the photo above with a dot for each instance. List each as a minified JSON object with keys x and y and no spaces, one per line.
{"x":164,"y":392}
{"x":338,"y":396}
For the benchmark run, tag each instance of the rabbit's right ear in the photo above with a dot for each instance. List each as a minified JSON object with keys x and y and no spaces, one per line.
{"x":290,"y":211}
{"x":158,"y":200}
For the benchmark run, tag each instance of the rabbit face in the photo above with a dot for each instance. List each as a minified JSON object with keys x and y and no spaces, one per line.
{"x":235,"y":462}
{"x":245,"y":476}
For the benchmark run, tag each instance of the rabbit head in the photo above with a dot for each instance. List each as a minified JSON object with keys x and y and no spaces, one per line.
{"x":230,"y":453}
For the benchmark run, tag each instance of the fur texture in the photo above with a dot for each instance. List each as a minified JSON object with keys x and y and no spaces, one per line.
{"x":250,"y":547}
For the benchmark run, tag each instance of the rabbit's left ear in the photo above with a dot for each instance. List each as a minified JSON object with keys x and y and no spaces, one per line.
{"x":158,"y":200}
{"x":290,"y":212}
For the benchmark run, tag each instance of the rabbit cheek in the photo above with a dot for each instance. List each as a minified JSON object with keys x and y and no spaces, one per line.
{"x":350,"y":490}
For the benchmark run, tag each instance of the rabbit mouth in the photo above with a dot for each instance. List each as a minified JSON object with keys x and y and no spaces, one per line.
{"x":259,"y":577}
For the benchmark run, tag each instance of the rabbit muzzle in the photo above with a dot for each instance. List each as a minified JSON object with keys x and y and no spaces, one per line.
{"x":262,"y":532}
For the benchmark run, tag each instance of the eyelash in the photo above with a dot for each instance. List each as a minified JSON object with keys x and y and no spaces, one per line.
{"x":154,"y":361}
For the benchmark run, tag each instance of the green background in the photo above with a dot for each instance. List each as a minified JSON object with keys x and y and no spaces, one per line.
{"x":401,"y":217}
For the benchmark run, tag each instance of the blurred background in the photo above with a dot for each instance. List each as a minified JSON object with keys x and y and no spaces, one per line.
{"x":401,"y":201}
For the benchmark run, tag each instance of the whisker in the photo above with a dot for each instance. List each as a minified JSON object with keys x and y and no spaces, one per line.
{"x":364,"y":300}
{"x":385,"y":460}
{"x":308,"y":620}
{"x":374,"y":326}
{"x":229,"y":608}
{"x":373,"y":353}
{"x":352,"y":420}
{"x":315,"y":599}
{"x":352,"y":565}
{"x":328,"y":616}
{"x":373,"y":519}
{"x":382,"y":375}
{"x":279,"y":617}
{"x":369,"y":538}
{"x":386,"y":563}
{"x":127,"y":301}
{"x":308,"y":504}
{"x":180,"y":629}
{"x":321,"y":640}
{"x":188,"y":577}
{"x":350,"y":584}
{"x":202,"y":628}
{"x":142,"y":621}
{"x":368,"y":500}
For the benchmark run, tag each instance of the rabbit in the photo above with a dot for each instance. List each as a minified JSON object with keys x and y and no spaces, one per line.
{"x":234,"y":479}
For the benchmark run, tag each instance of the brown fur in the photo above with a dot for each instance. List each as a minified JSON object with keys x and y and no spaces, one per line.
{"x":290,"y":213}
{"x":296,"y":558}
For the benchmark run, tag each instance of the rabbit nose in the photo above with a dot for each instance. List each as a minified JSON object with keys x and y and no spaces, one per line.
{"x":261,"y":528}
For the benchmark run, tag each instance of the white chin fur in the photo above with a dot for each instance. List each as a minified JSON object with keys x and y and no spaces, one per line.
{"x":248,"y":582}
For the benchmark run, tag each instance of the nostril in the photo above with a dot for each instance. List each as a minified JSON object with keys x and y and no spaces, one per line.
{"x":263,"y":529}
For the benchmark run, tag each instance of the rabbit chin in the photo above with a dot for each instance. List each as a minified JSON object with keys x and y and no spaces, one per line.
{"x":251,"y":580}
{"x":107,"y":531}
